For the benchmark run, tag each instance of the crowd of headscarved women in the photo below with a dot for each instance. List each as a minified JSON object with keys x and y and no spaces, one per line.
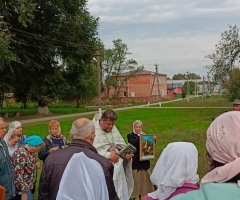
{"x":173,"y":177}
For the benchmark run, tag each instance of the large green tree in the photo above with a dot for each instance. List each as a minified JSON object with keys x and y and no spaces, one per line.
{"x":116,"y":62}
{"x":226,"y":55}
{"x":53,"y":33}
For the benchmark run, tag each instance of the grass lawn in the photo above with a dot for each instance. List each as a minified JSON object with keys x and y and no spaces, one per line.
{"x":213,"y":101}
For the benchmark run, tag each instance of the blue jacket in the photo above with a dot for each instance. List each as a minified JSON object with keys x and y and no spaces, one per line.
{"x":212,"y":191}
{"x":6,"y":173}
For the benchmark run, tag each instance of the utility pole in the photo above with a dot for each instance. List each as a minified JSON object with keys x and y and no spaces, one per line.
{"x":187,"y":83}
{"x":156,"y":68}
{"x":99,"y":84}
{"x":208,"y":77}
{"x":156,"y":75}
{"x":203,"y":88}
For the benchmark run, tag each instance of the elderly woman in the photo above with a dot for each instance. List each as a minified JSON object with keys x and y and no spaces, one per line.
{"x":16,"y":125}
{"x":24,"y":166}
{"x":141,"y":169}
{"x":223,"y":153}
{"x":12,"y":138}
{"x":175,"y":171}
{"x":53,"y":141}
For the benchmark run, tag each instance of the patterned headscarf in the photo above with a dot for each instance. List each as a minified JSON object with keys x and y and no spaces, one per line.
{"x":223,"y":145}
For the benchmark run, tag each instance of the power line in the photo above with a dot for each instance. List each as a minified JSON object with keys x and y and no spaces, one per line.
{"x":46,"y":38}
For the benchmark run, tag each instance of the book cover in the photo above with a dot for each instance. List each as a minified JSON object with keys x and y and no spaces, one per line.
{"x":128,"y":149}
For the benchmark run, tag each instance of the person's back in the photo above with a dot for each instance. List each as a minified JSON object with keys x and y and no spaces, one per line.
{"x":212,"y":191}
{"x":87,"y":182}
{"x":175,"y":171}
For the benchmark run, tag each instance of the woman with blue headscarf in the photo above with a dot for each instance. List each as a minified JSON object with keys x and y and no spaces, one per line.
{"x":24,"y":166}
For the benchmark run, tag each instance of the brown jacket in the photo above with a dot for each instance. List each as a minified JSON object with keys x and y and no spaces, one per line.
{"x":56,"y":162}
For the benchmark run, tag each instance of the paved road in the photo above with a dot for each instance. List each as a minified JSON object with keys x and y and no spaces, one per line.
{"x":28,"y":121}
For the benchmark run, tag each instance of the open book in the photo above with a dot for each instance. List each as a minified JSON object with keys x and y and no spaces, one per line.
{"x":128,"y":149}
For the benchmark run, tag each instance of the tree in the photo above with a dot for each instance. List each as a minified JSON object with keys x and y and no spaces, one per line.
{"x":115,"y":63}
{"x":43,"y":43}
{"x":188,"y":87}
{"x":185,"y":76}
{"x":233,"y":84}
{"x":226,"y":55}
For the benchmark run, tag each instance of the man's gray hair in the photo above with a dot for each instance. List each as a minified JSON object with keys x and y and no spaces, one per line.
{"x":83,"y":130}
{"x":1,"y":119}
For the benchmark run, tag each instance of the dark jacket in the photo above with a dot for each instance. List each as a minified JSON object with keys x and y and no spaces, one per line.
{"x":6,"y":173}
{"x":134,"y":139}
{"x":44,"y":152}
{"x":56,"y":162}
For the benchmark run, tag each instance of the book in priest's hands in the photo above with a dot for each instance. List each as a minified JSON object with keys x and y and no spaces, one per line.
{"x":127,"y":149}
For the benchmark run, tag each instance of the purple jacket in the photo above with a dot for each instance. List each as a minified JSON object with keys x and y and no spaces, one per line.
{"x":186,"y":187}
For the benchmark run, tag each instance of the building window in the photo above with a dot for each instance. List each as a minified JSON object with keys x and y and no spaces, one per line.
{"x":132,"y":94}
{"x":124,"y":93}
{"x":119,"y":82}
{"x":125,"y":82}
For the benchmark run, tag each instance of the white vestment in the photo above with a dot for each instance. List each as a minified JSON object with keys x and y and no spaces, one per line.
{"x":84,"y":179}
{"x":122,"y":176}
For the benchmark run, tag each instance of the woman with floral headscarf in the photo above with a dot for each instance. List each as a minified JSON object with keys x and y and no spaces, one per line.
{"x":53,"y":141}
{"x":223,"y":153}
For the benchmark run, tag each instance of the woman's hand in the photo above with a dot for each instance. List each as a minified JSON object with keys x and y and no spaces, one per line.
{"x":38,"y":165}
{"x":129,"y":156}
{"x":53,"y":149}
{"x":24,"y":196}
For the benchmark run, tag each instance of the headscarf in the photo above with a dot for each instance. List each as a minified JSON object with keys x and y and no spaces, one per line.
{"x":88,"y":182}
{"x":15,"y":124}
{"x":223,"y":145}
{"x":177,"y":165}
{"x":34,"y":141}
{"x":137,"y":122}
{"x":11,"y":148}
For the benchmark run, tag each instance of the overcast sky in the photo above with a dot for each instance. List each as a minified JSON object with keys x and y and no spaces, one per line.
{"x":176,"y":34}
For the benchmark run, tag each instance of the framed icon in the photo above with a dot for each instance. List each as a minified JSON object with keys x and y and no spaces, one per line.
{"x":147,"y":147}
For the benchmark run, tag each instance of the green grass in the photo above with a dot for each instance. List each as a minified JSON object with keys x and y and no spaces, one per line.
{"x":213,"y":101}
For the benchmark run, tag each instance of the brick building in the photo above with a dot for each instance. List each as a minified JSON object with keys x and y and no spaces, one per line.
{"x":138,"y":88}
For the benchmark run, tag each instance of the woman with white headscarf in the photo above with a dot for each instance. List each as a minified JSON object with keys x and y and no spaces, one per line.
{"x":86,"y":183}
{"x":12,"y":138}
{"x":223,"y":153}
{"x":140,"y":169}
{"x":18,"y":126}
{"x":175,"y":171}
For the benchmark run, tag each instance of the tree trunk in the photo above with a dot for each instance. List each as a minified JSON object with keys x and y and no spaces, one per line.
{"x":43,"y":110}
{"x":78,"y":100}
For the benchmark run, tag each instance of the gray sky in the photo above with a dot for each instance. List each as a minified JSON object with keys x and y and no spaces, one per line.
{"x":175,"y":34}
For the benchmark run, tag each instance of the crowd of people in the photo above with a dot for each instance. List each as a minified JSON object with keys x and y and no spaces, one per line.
{"x":89,"y":168}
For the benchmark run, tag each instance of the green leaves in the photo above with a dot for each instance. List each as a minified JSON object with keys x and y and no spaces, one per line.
{"x":226,"y":54}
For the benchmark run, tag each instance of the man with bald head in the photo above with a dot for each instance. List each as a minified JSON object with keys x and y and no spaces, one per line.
{"x":82,"y":134}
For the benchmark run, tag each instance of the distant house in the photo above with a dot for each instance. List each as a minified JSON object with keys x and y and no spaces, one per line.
{"x":138,"y":88}
{"x":175,"y":86}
